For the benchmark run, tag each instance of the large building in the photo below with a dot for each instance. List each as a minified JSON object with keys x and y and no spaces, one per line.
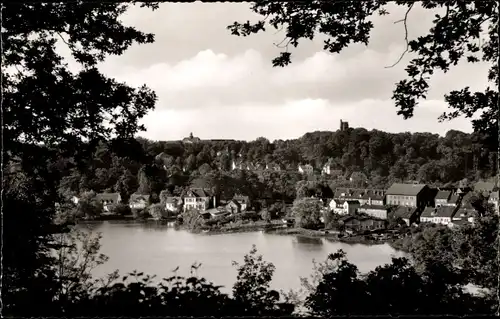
{"x":344,"y":126}
{"x":410,"y":195}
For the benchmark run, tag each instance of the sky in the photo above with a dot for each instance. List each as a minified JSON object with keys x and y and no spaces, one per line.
{"x":217,"y":85}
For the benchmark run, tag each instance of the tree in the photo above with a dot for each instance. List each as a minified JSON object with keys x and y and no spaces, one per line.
{"x":157,"y":211}
{"x":454,"y":37}
{"x":88,"y":206}
{"x":50,"y":111}
{"x":307,"y":212}
{"x":251,"y":289}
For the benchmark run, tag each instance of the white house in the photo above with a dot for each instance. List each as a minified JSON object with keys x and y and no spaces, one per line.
{"x":439,"y":215}
{"x":172,"y":204}
{"x":198,"y":198}
{"x":337,"y":206}
{"x":306,"y":169}
{"x":377,"y":211}
{"x":138,"y":201}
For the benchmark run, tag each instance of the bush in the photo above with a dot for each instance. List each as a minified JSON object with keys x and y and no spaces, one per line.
{"x":121,"y":209}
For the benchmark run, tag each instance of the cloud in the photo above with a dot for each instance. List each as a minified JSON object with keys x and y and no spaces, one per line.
{"x":293,"y":119}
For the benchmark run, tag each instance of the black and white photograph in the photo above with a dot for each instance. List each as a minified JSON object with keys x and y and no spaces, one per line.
{"x":293,"y":159}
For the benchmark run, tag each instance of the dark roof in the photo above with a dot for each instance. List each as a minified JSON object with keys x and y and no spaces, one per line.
{"x":108,"y":196}
{"x":339,"y":201}
{"x":352,"y":201}
{"x":494,"y":195}
{"x":405,"y":189}
{"x":454,"y":198}
{"x":200,"y":192}
{"x":404,"y":212}
{"x":137,"y":197}
{"x":443,"y":195}
{"x":235,"y":202}
{"x":443,"y":211}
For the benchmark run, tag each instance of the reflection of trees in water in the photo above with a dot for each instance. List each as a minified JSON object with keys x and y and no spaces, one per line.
{"x":310,"y":242}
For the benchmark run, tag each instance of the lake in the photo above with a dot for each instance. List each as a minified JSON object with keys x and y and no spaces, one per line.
{"x":158,"y":250}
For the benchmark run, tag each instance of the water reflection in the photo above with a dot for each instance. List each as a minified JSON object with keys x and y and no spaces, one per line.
{"x":308,"y":243}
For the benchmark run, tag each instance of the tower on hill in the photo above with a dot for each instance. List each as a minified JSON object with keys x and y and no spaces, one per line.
{"x":344,"y":125}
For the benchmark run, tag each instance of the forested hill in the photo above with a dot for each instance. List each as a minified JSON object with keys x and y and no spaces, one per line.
{"x":150,"y":166}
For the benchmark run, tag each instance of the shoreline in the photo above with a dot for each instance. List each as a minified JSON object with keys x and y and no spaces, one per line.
{"x":269,"y":228}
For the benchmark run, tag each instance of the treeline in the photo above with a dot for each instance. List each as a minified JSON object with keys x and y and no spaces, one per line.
{"x":149,"y":167}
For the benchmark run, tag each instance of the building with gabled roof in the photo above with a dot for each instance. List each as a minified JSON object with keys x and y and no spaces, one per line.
{"x":199,"y":199}
{"x":438,"y":215}
{"x":411,"y":195}
{"x":138,"y":201}
{"x":108,"y":199}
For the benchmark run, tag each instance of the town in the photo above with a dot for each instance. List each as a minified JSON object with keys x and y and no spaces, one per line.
{"x":351,"y":209}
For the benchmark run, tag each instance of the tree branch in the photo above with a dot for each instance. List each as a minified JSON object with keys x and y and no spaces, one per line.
{"x":406,"y":35}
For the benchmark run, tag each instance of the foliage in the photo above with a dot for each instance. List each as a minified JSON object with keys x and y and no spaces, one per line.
{"x":307,"y":212}
{"x":88,"y":206}
{"x":157,"y":211}
{"x":122,"y":209}
{"x":251,"y":289}
{"x":192,"y":219}
{"x":457,"y":30}
{"x":396,"y":288}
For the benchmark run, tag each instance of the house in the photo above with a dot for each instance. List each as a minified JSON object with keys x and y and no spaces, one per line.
{"x":236,"y":165}
{"x":454,"y":200}
{"x":138,"y":201}
{"x":200,"y":199}
{"x":244,"y":201}
{"x":306,"y":169}
{"x":329,"y":169}
{"x":493,"y":199}
{"x":438,"y":215}
{"x":359,"y":223}
{"x":377,"y":211}
{"x":455,"y":224}
{"x":351,"y":207}
{"x":173,"y":203}
{"x":233,"y":207}
{"x":74,"y":199}
{"x":215,"y":212}
{"x":411,"y":195}
{"x":191,"y":139}
{"x":442,"y":198}
{"x":108,"y":199}
{"x":364,"y":196}
{"x":466,"y":212}
{"x":408,"y":214}
{"x":337,"y":206}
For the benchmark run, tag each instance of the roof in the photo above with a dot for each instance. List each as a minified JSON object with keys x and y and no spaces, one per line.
{"x":404,"y":212}
{"x":454,"y":198}
{"x":235,"y":202}
{"x":339,"y":201}
{"x":443,"y":195}
{"x":443,"y":211}
{"x":466,"y":212}
{"x":173,"y":199}
{"x":494,"y":195}
{"x":405,"y":189}
{"x":352,"y":201}
{"x":108,"y":196}
{"x":200,"y":192}
{"x":241,"y":198}
{"x":484,"y":186}
{"x":137,"y":197}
